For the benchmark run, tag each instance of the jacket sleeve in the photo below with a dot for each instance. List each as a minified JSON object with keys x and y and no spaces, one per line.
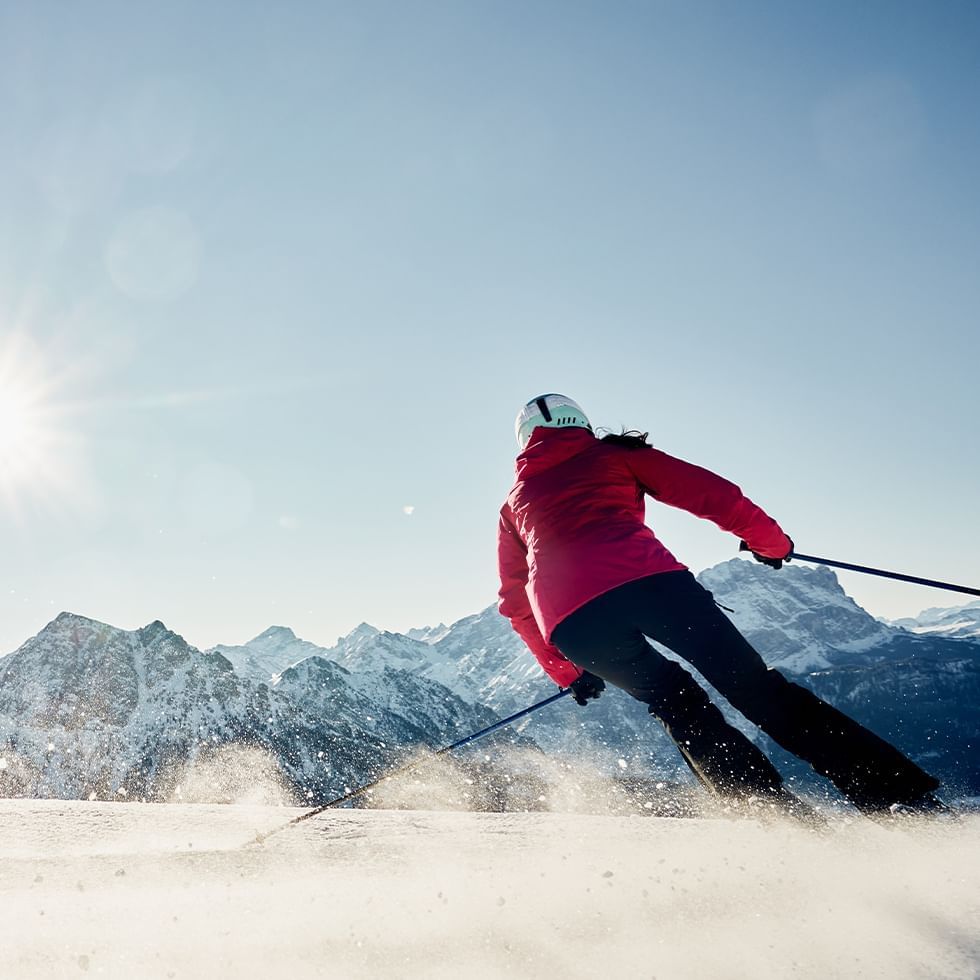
{"x":710,"y":496}
{"x":514,"y":604}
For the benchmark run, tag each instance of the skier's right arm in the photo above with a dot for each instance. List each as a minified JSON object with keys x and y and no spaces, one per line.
{"x":705,"y":494}
{"x":514,"y":604}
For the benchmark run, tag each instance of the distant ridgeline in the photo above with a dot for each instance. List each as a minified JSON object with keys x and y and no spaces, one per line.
{"x":91,"y":711}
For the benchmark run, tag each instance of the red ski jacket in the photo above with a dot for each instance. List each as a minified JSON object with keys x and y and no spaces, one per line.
{"x":573,"y":527}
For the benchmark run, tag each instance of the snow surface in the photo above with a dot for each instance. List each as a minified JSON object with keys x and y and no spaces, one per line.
{"x":164,"y":890}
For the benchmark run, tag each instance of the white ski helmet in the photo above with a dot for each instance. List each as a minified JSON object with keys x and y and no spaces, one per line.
{"x":552,"y":411}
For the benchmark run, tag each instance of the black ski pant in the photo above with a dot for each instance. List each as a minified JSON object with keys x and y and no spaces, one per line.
{"x":607,"y":636}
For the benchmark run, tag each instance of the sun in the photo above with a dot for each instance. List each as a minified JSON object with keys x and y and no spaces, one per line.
{"x":34,"y":461}
{"x":20,"y":431}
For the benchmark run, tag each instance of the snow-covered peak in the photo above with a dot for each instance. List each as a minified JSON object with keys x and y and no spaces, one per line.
{"x":798,"y":617}
{"x":367,"y":649}
{"x":739,"y":572}
{"x":362,"y":633}
{"x":78,"y":671}
{"x":274,"y":641}
{"x":956,"y":621}
{"x":428,"y":634}
{"x":65,"y":622}
{"x":156,"y":632}
{"x":72,"y":631}
{"x":265,"y":656}
{"x":274,"y":638}
{"x":68,"y":618}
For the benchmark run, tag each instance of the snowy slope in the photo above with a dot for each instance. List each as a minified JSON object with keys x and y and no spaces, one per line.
{"x":368,"y":895}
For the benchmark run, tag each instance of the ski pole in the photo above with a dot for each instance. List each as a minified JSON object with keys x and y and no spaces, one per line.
{"x":878,"y":571}
{"x":259,"y":838}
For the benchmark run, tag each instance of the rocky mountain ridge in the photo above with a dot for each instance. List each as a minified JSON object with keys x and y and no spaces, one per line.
{"x":954,"y":621}
{"x":90,"y":710}
{"x":86,"y":708}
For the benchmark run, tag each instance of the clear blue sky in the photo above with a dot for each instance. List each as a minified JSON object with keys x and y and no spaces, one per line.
{"x":272,"y":273}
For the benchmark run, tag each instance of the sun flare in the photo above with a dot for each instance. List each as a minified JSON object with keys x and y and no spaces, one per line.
{"x":20,"y":434}
{"x":35,"y":449}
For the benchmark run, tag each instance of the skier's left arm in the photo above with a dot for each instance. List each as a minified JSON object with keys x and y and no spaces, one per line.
{"x":514,"y":604}
{"x":705,"y":494}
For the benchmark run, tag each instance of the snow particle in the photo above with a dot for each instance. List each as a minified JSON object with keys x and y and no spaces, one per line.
{"x":408,"y":510}
{"x":3,"y":762}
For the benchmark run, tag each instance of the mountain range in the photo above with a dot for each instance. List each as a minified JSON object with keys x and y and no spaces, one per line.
{"x":91,"y":711}
{"x":959,"y":621}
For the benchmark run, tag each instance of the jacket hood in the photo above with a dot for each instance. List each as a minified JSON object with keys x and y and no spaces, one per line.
{"x":548,"y":447}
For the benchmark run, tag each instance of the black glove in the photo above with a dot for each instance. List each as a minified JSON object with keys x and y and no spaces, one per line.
{"x":586,"y":687}
{"x":771,"y":562}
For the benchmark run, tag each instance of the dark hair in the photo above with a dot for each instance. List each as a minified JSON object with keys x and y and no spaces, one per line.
{"x":629,"y":438}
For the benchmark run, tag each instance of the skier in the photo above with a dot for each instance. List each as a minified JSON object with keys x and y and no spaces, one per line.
{"x":584,"y":582}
